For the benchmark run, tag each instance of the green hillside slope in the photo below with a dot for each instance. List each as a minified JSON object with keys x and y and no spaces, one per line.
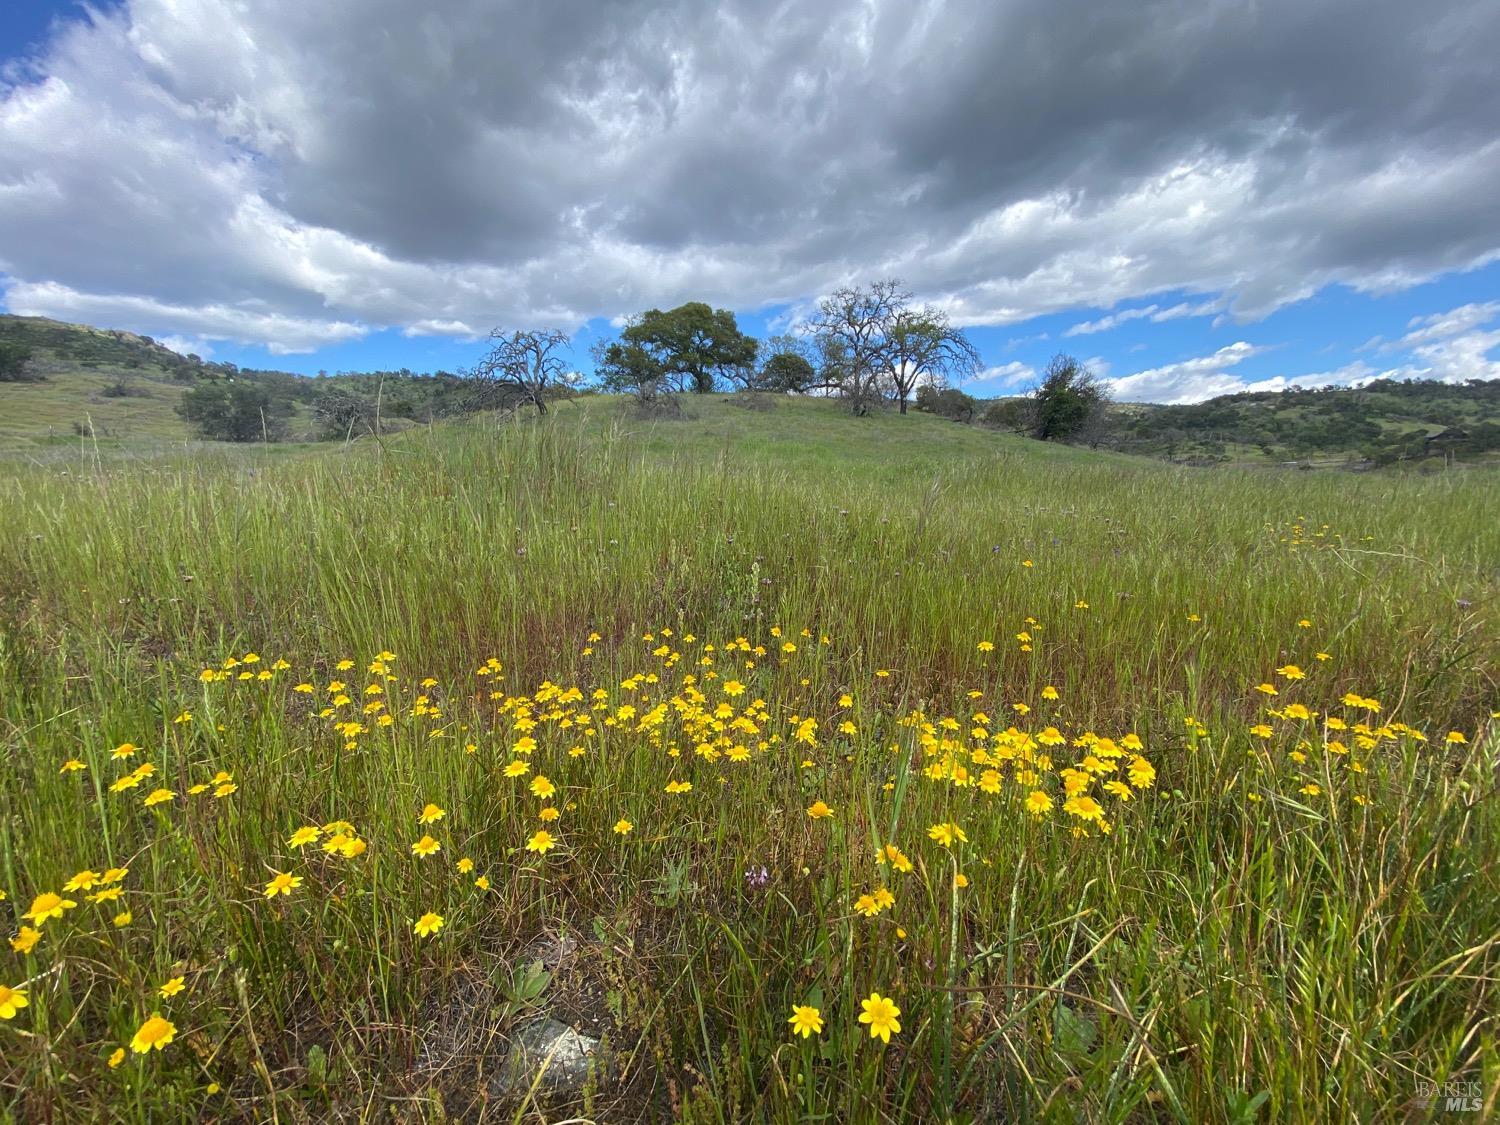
{"x":1382,"y":422}
{"x":92,"y":382}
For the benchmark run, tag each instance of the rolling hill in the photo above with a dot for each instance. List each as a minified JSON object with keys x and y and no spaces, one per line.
{"x":120,"y":390}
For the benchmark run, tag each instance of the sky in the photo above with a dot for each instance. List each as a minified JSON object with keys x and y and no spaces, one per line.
{"x":1195,"y":196}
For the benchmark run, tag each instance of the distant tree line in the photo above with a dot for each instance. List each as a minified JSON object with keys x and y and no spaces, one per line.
{"x":868,"y":347}
{"x":241,"y":404}
{"x":1069,"y":404}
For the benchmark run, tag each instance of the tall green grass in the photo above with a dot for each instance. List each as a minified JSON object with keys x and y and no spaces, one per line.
{"x":1235,"y":947}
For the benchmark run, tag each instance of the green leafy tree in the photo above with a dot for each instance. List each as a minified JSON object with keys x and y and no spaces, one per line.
{"x":785,"y":365}
{"x":693,"y":345}
{"x":925,"y":348}
{"x":1067,"y":400}
{"x":628,"y":368}
{"x":946,"y":402}
{"x":234,"y":410}
{"x":13,"y":360}
{"x":787,"y":371}
{"x":1013,"y":414}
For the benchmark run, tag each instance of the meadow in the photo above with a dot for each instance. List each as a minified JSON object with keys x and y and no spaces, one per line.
{"x":824,"y":769}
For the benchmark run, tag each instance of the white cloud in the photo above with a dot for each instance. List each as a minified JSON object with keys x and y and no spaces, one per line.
{"x":1154,"y":313}
{"x":183,"y":345}
{"x":1445,"y":325}
{"x":1006,"y":375}
{"x":1114,"y":320}
{"x":443,"y":328}
{"x":1453,"y":346}
{"x":1191,"y":380}
{"x":1459,"y":359}
{"x":297,"y":174}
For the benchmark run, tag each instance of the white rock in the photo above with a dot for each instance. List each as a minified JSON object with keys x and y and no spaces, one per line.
{"x":552,"y":1050}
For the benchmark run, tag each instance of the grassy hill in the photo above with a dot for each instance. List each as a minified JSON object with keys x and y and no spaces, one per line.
{"x":61,"y":346}
{"x":118,"y":392}
{"x":1383,"y":422}
{"x":1130,"y":785}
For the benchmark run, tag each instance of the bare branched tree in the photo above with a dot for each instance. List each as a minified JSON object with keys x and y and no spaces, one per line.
{"x":521,"y":367}
{"x":873,"y":344}
{"x":853,"y":331}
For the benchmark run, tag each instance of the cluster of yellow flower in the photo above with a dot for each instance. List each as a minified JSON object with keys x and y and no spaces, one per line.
{"x":878,"y":1013}
{"x":155,"y":1032}
{"x":696,"y":713}
{"x":989,"y":760}
{"x":1326,"y":749}
{"x":226,"y":670}
{"x":1300,"y":533}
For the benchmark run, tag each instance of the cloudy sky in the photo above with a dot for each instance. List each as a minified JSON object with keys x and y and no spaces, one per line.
{"x":1196,"y":195}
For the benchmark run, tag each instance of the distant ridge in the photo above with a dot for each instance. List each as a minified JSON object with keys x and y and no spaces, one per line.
{"x":59,"y":346}
{"x":1381,"y":422}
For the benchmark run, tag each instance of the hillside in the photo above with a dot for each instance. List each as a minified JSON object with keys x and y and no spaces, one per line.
{"x":83,"y":380}
{"x":1382,"y":422}
{"x":120,"y":391}
{"x":58,"y":346}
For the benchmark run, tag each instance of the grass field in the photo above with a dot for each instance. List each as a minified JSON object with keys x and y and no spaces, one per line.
{"x":1132,"y":787}
{"x":38,"y":418}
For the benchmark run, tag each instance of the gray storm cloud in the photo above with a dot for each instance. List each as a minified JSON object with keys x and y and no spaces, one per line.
{"x":290,"y":173}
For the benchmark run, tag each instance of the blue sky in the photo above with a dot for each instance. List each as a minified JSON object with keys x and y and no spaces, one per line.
{"x":27,"y":23}
{"x":308,"y":188}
